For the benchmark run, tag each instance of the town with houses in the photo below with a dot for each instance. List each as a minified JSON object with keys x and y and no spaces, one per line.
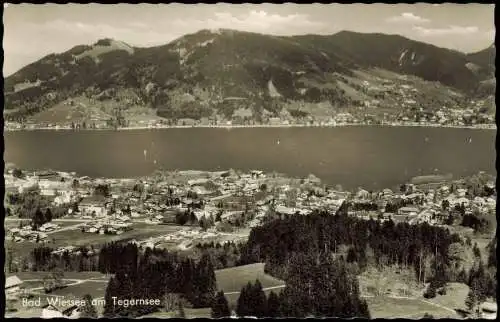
{"x":443,"y":117}
{"x":401,"y":96}
{"x":225,"y":204}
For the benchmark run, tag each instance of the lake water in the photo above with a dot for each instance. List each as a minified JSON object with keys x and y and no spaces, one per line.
{"x":372,"y":157}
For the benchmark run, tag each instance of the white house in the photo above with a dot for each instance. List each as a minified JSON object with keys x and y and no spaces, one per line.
{"x":28,"y":185}
{"x":285,"y":210}
{"x":407,"y":210}
{"x":461,"y":192}
{"x":92,"y":205}
{"x":489,"y":310}
{"x":51,"y":311}
{"x":63,"y":198}
{"x":444,"y":190}
{"x":362,"y":194}
{"x":12,"y":287}
{"x":479,"y":201}
{"x":200,"y":190}
{"x":196,"y":182}
{"x":48,"y":227}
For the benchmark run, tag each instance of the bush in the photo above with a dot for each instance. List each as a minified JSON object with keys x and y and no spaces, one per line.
{"x":430,"y":293}
{"x":442,"y":291}
{"x":17,"y":173}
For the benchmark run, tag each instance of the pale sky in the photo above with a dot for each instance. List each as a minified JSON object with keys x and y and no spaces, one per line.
{"x":33,"y":31}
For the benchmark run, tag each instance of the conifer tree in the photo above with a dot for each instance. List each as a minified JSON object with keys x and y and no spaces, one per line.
{"x":258,"y":301}
{"x":38,"y":219}
{"x":220,"y":307}
{"x":180,"y":311}
{"x":111,"y":290}
{"x":204,"y":282}
{"x":88,"y":310}
{"x":48,"y":215}
{"x":243,"y":306}
{"x":273,"y":305}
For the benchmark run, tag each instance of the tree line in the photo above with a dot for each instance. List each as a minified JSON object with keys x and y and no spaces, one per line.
{"x":368,"y":241}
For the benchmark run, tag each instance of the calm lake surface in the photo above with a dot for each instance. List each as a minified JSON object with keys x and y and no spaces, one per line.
{"x":371,"y":157}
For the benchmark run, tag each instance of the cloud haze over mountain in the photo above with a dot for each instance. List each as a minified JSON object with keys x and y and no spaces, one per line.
{"x":32,"y":31}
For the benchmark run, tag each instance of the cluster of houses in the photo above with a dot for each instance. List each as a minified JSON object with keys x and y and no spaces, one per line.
{"x":188,"y":236}
{"x":238,"y":199}
{"x":107,"y":226}
{"x":421,"y":205}
{"x":74,"y":250}
{"x":50,"y":184}
{"x":25,"y":233}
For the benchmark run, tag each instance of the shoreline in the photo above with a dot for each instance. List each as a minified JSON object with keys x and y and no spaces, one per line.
{"x":480,"y":127}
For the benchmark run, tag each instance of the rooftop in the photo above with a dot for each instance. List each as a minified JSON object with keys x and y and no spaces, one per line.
{"x":12,"y":281}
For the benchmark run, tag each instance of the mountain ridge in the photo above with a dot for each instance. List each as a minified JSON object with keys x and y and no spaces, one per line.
{"x":211,"y":65}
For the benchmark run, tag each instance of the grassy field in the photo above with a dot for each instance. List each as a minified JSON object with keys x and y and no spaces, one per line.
{"x":454,"y":298}
{"x":10,"y":224}
{"x":32,"y":284}
{"x":232,"y":280}
{"x":96,"y":289}
{"x":385,"y":307}
{"x":235,"y":278}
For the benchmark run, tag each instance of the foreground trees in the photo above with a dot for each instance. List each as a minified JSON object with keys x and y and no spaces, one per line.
{"x":320,"y":286}
{"x":151,"y":274}
{"x":421,"y":247}
{"x":252,"y":301}
{"x":220,"y":307}
{"x":316,"y":287}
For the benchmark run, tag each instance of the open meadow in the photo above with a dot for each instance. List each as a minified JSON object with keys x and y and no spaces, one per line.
{"x":232,"y":280}
{"x":454,"y":297}
{"x":387,"y":308}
